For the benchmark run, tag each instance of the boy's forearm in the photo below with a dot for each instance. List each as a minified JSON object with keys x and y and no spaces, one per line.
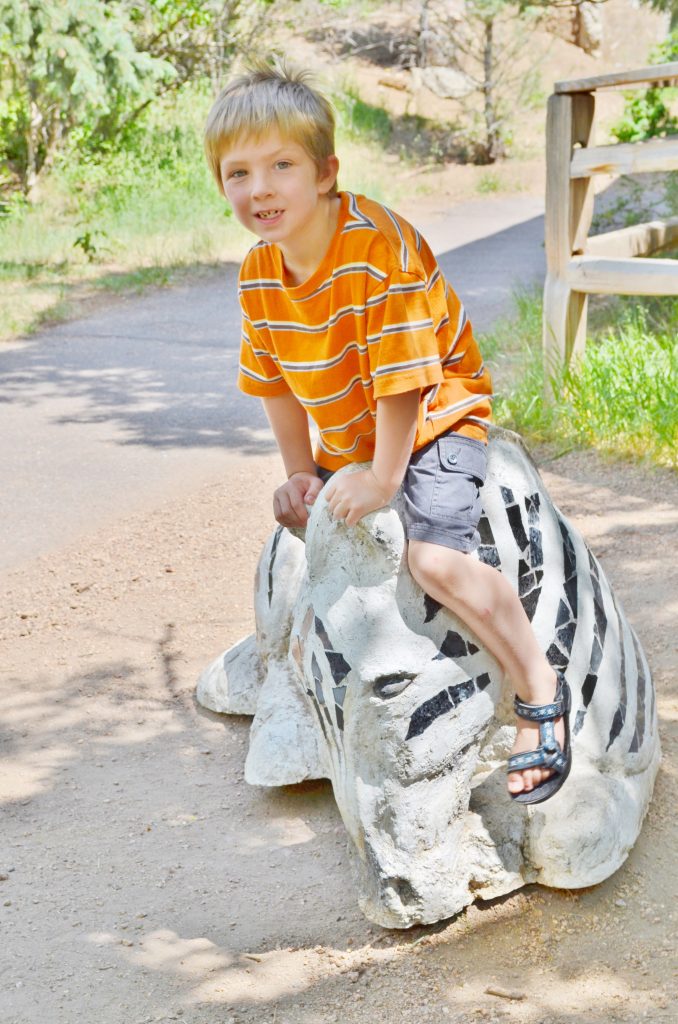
{"x":396,"y":428}
{"x":289,"y":423}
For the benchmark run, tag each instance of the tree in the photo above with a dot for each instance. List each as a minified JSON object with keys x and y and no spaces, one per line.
{"x":485,"y":42}
{"x":197,"y":38}
{"x":61,"y":61}
{"x":669,"y":7}
{"x":98,"y":65}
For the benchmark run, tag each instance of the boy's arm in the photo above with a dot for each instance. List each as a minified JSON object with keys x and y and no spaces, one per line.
{"x":289,"y":422}
{"x":356,"y":494}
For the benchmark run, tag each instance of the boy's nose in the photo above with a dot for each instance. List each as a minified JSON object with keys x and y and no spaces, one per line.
{"x":261,"y":187}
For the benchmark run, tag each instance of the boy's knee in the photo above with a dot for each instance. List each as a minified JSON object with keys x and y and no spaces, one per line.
{"x":434,"y":566}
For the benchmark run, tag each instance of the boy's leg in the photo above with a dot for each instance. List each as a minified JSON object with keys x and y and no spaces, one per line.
{"x":443,"y":507}
{"x":486,"y":602}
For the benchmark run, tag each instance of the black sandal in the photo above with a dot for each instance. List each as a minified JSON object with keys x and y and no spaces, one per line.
{"x":549,"y":753}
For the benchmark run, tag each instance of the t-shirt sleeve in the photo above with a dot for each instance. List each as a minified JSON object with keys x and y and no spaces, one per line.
{"x":259,"y":373}
{"x":401,"y":336}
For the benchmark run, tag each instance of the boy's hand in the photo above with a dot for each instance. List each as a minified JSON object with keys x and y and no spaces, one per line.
{"x":290,"y":500}
{"x":356,"y":495}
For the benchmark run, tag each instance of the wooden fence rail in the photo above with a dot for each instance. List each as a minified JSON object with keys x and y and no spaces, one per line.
{"x":611,"y":263}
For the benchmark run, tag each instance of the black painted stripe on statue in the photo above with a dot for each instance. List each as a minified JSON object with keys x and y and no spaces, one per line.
{"x":531,"y":560}
{"x":642,"y":680}
{"x":620,"y":714}
{"x":314,"y":702}
{"x":274,"y":551}
{"x":558,"y":654}
{"x":485,"y":531}
{"x":318,"y":680}
{"x":517,"y":527}
{"x":487,"y":552}
{"x":453,"y":646}
{"x":322,"y":634}
{"x":443,"y":702}
{"x":569,"y":567}
{"x":587,"y":690}
{"x":431,"y":607}
{"x":533,"y":504}
{"x":339,"y":667}
{"x":598,"y":603}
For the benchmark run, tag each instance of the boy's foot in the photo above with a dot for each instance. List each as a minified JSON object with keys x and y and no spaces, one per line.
{"x":528,"y":740}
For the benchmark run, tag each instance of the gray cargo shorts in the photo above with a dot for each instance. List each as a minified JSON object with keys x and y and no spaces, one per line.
{"x":442,"y":491}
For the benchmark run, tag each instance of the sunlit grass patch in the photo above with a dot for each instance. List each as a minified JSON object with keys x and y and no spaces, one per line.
{"x":618,"y":398}
{"x":488,"y":183}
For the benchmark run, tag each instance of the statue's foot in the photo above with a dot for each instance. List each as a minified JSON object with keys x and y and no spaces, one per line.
{"x":541,"y":757}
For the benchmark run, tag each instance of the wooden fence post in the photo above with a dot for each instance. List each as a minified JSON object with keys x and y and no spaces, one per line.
{"x":569,"y":209}
{"x":613,"y":263}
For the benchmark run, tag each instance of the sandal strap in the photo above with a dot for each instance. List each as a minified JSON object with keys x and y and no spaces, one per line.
{"x":537,"y":759}
{"x":543,"y":712}
{"x":549,"y":753}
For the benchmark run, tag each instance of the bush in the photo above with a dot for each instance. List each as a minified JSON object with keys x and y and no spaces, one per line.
{"x":619,"y":398}
{"x":646,"y":115}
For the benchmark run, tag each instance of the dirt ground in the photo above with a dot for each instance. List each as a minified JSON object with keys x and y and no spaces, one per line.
{"x":142,"y":880}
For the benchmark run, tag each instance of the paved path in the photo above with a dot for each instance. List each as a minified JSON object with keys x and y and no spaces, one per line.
{"x":117,"y":411}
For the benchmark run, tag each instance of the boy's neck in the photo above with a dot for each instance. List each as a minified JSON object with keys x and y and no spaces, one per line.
{"x":302,"y":258}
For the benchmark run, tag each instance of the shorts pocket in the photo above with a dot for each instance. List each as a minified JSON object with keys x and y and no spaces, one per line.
{"x":460,"y":473}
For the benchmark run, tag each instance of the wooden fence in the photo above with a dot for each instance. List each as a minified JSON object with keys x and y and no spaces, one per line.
{"x":611,"y":263}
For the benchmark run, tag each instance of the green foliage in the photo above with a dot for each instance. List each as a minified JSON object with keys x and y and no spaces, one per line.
{"x":62,"y":61}
{"x":361,"y":120}
{"x":634,"y":203}
{"x":647,"y":115}
{"x":488,"y":183}
{"x":87,"y":70}
{"x":91,"y":244}
{"x":413,"y":138}
{"x":623,"y":392}
{"x":619,"y":398}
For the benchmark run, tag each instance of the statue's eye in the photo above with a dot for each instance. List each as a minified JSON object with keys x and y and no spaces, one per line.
{"x":391,"y":686}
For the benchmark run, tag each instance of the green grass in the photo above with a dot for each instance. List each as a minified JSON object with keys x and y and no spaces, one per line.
{"x":619,"y":398}
{"x":488,"y":183}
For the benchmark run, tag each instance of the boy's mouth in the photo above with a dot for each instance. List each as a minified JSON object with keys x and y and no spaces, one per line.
{"x":267,"y":214}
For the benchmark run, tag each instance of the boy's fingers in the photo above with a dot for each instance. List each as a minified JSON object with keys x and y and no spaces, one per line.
{"x":283,"y":510}
{"x":297,"y":508}
{"x":313,"y":490}
{"x":341,"y":510}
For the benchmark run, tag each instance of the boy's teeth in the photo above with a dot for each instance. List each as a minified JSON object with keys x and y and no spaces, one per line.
{"x":269,"y":213}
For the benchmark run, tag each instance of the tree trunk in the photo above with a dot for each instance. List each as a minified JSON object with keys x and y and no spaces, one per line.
{"x":494,"y":145}
{"x":31,"y":170}
{"x":424,"y":34}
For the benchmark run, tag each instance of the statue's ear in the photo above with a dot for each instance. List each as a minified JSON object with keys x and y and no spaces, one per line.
{"x":364,"y":555}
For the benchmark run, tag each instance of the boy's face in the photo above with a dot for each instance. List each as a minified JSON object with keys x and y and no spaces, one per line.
{"x":274,"y":186}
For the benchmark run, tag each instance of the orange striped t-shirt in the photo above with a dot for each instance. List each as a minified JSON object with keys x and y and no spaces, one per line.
{"x":375,"y":318}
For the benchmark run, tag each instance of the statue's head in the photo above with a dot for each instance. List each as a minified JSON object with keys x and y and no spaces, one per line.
{"x":402,"y":698}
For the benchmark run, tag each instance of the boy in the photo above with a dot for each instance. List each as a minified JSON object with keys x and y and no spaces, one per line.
{"x":347,"y":318}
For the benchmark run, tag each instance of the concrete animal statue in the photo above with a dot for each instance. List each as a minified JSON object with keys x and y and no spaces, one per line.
{"x":356,"y":675}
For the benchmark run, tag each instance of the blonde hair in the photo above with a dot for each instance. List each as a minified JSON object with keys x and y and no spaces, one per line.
{"x":264,"y":97}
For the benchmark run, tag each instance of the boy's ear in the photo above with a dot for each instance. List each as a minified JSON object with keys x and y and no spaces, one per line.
{"x":328,"y":174}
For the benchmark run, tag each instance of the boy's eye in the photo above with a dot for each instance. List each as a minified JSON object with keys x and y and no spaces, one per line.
{"x":238,"y":173}
{"x":283,"y":164}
